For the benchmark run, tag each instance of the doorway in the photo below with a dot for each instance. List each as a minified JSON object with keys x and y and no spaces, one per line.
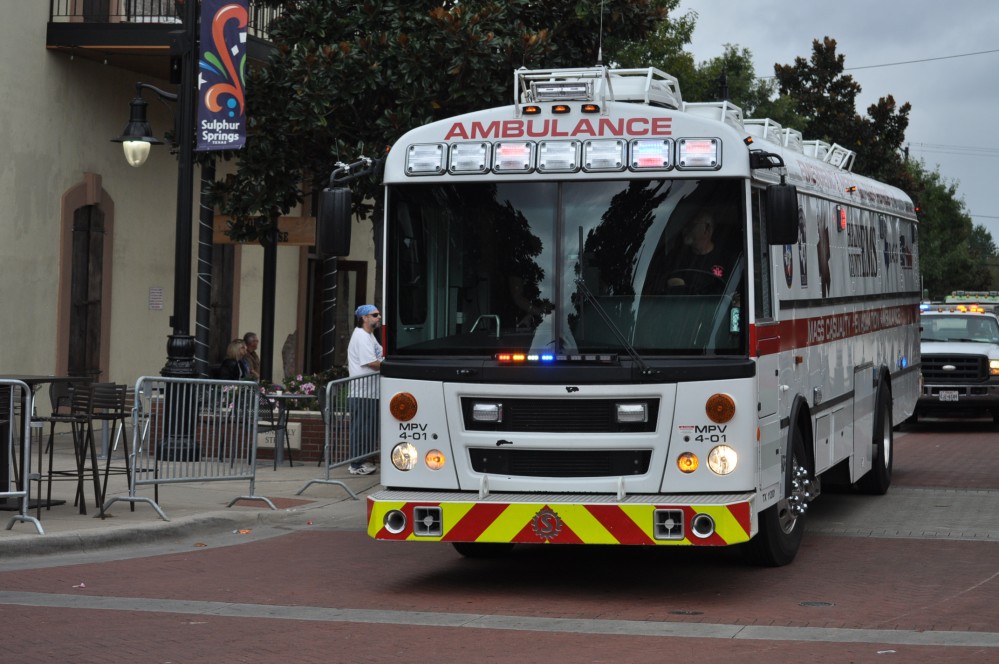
{"x":86,"y":292}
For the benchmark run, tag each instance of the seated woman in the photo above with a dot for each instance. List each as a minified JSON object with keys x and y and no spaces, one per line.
{"x":233,"y":367}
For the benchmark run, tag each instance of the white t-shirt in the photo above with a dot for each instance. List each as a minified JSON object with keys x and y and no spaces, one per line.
{"x":362,"y":350}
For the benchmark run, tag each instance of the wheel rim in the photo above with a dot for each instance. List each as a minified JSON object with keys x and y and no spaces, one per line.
{"x":794,"y":506}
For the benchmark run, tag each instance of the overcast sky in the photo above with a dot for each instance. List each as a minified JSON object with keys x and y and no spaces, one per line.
{"x":954,"y":121}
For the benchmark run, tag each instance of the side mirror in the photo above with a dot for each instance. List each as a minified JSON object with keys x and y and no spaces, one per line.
{"x":782,"y":214}
{"x":333,"y":222}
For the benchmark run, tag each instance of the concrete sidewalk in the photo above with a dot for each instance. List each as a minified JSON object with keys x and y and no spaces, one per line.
{"x":190,"y":506}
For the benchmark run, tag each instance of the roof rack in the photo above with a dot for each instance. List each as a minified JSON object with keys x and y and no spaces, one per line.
{"x":724,"y":111}
{"x":647,"y":85}
{"x":793,"y":140}
{"x":840,"y":157}
{"x":764,"y":128}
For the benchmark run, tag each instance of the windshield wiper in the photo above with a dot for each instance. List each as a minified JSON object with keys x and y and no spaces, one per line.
{"x":589,"y":297}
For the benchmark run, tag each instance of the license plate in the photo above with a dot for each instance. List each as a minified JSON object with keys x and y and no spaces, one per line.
{"x":948,"y":395}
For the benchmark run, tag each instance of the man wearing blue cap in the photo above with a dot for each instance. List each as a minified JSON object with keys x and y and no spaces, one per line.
{"x":364,"y":359}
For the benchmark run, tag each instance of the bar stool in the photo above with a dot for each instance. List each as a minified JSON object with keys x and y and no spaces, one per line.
{"x":83,"y":442}
{"x":110,"y":404}
{"x":61,"y":398}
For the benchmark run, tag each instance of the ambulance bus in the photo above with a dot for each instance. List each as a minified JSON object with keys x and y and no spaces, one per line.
{"x":558,"y":371}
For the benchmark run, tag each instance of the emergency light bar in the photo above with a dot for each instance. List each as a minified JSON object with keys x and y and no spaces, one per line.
{"x":569,"y":156}
{"x":546,"y":358}
{"x":561,"y":90}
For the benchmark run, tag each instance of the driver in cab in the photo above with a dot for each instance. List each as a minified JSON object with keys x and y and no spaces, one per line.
{"x":698,"y":264}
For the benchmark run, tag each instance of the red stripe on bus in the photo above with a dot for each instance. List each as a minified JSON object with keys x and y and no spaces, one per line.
{"x":818,"y":330}
{"x":475,"y":521}
{"x":620,"y":525}
{"x":742,"y":515}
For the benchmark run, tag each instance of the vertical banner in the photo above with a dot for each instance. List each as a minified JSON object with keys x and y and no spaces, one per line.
{"x":221,"y":121}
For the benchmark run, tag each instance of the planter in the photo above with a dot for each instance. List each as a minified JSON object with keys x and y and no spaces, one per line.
{"x":307,"y":433}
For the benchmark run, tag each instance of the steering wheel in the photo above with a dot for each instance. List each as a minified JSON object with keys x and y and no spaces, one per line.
{"x":676,"y":281}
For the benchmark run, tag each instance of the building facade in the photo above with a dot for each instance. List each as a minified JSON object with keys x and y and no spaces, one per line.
{"x":87,"y":241}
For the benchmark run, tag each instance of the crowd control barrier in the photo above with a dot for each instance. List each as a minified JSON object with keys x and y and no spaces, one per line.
{"x":350,"y":415}
{"x":16,"y":406}
{"x":192,"y":430}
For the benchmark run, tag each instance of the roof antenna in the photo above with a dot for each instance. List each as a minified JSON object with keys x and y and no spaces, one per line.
{"x":600,"y":42}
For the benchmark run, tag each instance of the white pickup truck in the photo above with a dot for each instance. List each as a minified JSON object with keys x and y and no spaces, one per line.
{"x":959,"y":346}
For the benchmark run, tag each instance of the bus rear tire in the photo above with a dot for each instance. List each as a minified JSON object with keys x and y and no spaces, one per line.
{"x":877,"y":480}
{"x":482,"y":549}
{"x":781,"y":529}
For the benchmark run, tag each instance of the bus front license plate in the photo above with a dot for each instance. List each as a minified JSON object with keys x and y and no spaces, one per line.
{"x":948,"y":395}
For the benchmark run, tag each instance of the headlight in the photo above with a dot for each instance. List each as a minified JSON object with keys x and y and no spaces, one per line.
{"x":404,"y":456}
{"x":994,"y":367}
{"x":722,"y":459}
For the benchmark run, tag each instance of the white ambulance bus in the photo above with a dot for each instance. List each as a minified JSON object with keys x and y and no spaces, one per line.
{"x":611,"y":317}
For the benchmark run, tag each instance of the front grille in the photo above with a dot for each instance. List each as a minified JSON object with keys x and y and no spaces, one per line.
{"x":557,"y":463}
{"x":967,"y":368}
{"x":561,"y":416}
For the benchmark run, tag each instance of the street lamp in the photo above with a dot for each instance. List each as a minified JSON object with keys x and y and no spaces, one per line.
{"x":136,"y":141}
{"x":138,"y":135}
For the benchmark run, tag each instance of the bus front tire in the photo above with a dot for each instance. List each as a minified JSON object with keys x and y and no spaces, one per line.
{"x":782,"y":526}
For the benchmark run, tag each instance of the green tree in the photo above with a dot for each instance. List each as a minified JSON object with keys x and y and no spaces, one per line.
{"x":348,"y":78}
{"x":818,"y":92}
{"x":952,"y":251}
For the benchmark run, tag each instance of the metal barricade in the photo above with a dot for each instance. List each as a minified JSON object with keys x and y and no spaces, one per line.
{"x":351,"y":416}
{"x":192,"y":430}
{"x":17,"y":403}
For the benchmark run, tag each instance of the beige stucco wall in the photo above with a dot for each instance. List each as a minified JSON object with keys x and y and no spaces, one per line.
{"x":57,"y":116}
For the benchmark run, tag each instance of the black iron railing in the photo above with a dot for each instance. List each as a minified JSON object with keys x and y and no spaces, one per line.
{"x":146,"y":11}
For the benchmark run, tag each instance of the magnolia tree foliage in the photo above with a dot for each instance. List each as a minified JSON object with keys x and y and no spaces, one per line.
{"x":348,"y":78}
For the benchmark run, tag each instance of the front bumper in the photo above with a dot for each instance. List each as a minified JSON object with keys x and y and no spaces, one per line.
{"x":943,"y":397}
{"x":435,"y":516}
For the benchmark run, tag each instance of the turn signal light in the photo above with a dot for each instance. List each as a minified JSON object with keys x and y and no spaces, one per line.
{"x":435,"y":459}
{"x":720,"y":408}
{"x":687,"y":462}
{"x":403,"y":406}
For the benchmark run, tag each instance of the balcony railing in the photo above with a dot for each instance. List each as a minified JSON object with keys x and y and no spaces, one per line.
{"x":146,"y":11}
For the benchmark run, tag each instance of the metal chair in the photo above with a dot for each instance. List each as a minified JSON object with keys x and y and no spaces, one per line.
{"x":110,"y":404}
{"x":61,"y":397}
{"x":83,"y":442}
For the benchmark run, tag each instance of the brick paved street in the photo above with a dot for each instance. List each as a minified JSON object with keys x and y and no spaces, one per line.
{"x":920,"y":589}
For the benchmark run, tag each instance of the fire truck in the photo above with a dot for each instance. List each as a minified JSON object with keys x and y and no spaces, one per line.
{"x":612,"y":317}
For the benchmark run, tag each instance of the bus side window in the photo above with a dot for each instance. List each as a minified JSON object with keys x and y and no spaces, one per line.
{"x":762,"y":292}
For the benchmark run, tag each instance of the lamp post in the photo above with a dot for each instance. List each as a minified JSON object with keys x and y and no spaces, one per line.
{"x":136,"y":141}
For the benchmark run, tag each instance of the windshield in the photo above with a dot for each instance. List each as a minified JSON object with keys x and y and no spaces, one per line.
{"x":972,"y":328}
{"x":580,"y":267}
